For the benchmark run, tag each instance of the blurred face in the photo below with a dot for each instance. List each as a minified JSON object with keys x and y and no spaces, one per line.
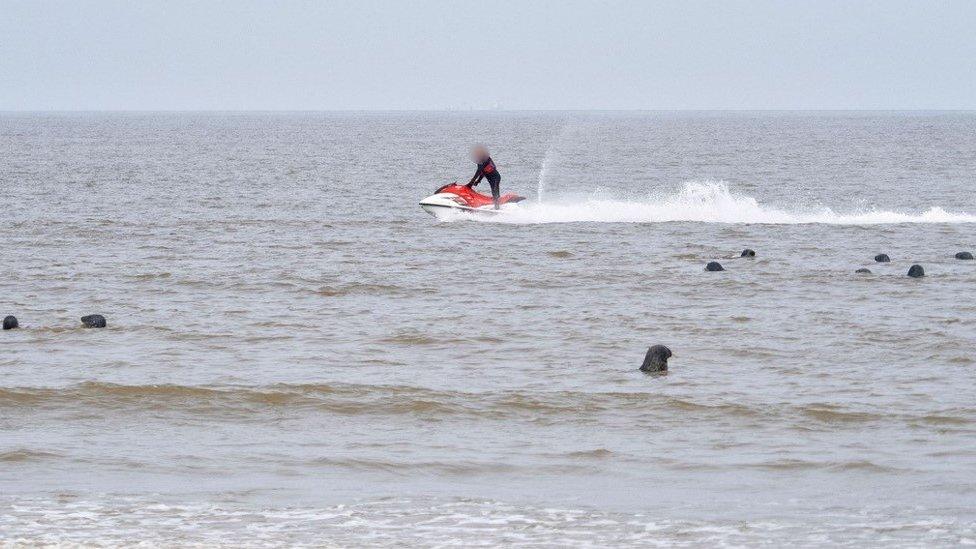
{"x":479,"y":153}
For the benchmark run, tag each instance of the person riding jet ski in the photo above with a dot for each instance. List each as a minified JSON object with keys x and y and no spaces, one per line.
{"x":486,"y":170}
{"x":448,"y":200}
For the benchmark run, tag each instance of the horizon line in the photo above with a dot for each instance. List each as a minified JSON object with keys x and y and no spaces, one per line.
{"x":491,"y":110}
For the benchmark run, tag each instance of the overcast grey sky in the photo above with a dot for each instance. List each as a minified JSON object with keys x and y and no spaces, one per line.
{"x":297,"y":55}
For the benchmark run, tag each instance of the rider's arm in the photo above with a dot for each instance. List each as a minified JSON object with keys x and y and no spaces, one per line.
{"x":478,"y":176}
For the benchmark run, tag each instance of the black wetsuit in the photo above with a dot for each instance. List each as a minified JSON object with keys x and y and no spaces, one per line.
{"x":487,"y":170}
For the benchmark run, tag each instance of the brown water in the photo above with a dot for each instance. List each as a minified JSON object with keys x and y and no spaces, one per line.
{"x":298,"y":355}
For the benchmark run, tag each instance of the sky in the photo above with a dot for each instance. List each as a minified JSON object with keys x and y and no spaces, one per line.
{"x":424,"y":54}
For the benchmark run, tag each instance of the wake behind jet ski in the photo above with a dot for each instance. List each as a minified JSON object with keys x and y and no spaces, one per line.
{"x":453,"y":199}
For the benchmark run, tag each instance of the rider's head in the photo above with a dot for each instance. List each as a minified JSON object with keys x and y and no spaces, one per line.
{"x":479,"y":153}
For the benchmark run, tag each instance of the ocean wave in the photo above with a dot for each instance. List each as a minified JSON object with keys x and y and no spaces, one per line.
{"x":25,"y":455}
{"x":337,"y":398}
{"x":363,"y":288}
{"x":552,"y":407}
{"x":709,"y":202}
{"x":813,"y":465}
{"x":445,"y":467}
{"x":402,"y":522}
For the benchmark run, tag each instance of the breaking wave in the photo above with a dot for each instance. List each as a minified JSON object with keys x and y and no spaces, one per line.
{"x":72,"y":520}
{"x":709,"y":202}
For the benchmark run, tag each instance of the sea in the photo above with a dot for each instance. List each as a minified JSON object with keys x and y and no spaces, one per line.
{"x":298,"y":355}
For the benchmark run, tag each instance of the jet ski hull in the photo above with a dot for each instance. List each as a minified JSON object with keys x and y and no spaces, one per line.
{"x":453,"y":201}
{"x":444,"y":206}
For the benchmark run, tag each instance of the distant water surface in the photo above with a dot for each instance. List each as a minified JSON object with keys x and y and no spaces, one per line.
{"x":297,"y":354}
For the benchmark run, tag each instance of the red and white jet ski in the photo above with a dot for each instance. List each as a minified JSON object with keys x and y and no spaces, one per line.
{"x":450,"y":200}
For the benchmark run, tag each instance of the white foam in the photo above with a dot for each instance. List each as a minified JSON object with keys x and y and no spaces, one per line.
{"x":120,"y":521}
{"x":708,"y":202}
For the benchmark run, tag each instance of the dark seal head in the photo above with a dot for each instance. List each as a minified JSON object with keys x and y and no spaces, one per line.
{"x":748,"y":252}
{"x":964,"y":255}
{"x":916,"y":271}
{"x":94,"y":321}
{"x":656,"y":359}
{"x":10,"y":322}
{"x":714,"y":266}
{"x":862,"y":270}
{"x":882,"y":258}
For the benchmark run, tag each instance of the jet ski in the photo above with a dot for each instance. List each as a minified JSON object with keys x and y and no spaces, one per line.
{"x":450,"y":200}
